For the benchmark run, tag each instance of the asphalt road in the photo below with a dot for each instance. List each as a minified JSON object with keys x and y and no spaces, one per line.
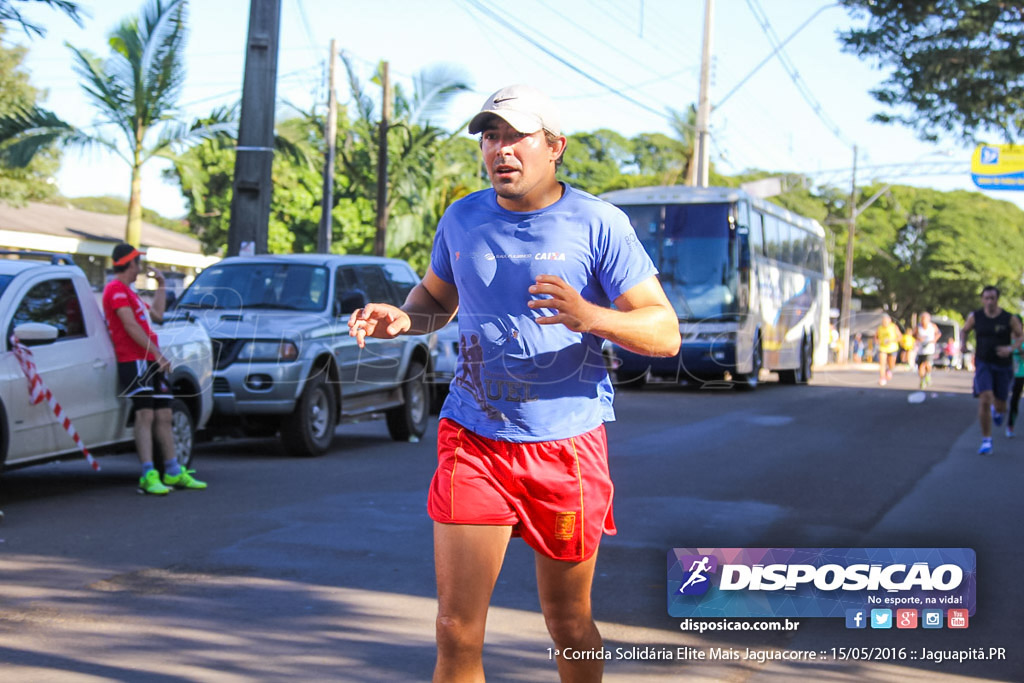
{"x":321,"y":569}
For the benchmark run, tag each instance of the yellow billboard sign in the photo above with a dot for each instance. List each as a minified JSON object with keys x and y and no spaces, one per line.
{"x":998,"y":167}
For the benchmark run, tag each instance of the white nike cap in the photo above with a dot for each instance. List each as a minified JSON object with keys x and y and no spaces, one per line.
{"x":521,"y":106}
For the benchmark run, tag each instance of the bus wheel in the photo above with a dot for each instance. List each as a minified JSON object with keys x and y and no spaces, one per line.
{"x":748,"y":381}
{"x":802,"y":372}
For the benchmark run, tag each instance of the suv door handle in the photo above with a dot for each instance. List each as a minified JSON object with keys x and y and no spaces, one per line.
{"x":99,"y":364}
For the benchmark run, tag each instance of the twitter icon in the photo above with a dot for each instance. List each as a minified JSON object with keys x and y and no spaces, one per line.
{"x":881,"y":618}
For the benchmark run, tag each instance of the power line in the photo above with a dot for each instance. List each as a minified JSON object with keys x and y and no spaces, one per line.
{"x":543,"y":48}
{"x":801,"y":86}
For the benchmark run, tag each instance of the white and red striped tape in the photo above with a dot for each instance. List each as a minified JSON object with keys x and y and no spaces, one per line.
{"x":38,"y":391}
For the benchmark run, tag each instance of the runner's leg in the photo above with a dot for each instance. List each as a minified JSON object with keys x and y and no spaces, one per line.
{"x":564,"y":590}
{"x":467,"y":559}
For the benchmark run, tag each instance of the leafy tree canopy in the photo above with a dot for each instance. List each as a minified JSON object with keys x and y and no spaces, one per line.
{"x":955,"y":66}
{"x":32,"y":182}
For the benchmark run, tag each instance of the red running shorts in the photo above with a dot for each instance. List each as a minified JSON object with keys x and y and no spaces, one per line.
{"x":556,"y":495}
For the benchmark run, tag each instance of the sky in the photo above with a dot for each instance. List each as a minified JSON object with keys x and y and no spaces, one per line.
{"x":618,"y":64}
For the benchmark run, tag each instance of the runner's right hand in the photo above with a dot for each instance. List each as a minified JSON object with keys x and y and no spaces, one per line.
{"x":382,"y":321}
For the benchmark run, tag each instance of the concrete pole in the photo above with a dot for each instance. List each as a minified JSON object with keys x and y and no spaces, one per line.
{"x":324,"y":234}
{"x":704,"y":100}
{"x":250,"y":201}
{"x":844,"y":308}
{"x":380,"y":242}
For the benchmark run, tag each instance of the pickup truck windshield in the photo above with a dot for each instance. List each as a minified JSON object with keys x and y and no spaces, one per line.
{"x":280,"y":286}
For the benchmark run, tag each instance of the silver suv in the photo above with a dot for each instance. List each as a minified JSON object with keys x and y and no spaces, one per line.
{"x":283,"y":359}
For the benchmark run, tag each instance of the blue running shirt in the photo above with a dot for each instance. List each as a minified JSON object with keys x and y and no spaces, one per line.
{"x":516,"y":380}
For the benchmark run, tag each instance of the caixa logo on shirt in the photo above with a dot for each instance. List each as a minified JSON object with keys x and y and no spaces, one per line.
{"x":783,"y":582}
{"x":538,"y":256}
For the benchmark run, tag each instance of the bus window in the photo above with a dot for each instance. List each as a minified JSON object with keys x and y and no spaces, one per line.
{"x":756,"y":233}
{"x":772,"y":238}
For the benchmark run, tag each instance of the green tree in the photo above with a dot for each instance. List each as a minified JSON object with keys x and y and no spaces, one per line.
{"x":427,"y":165}
{"x":594,"y":162}
{"x":34,"y":181}
{"x":955,"y":66}
{"x":135,"y":92}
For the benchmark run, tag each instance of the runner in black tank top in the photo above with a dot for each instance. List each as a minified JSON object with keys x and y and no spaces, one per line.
{"x":995,"y":331}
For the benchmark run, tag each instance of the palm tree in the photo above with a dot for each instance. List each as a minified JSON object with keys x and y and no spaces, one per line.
{"x":417,"y":172}
{"x":135,"y":92}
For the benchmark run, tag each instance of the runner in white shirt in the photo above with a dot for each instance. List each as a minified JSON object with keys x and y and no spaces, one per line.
{"x":927,"y":335}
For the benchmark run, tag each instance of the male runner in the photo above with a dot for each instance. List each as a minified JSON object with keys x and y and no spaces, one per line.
{"x":532,"y":267}
{"x":996,"y":331}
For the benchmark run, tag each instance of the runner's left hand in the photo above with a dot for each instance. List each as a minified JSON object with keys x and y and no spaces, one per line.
{"x":571,"y":309}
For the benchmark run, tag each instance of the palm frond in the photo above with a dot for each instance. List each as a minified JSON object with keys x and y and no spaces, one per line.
{"x":174,"y":136}
{"x":8,"y":12}
{"x":108,"y":95}
{"x":26,"y":133}
{"x":434,"y":88}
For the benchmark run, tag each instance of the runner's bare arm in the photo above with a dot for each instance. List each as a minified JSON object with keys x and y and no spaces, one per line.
{"x":968,"y":326}
{"x":430,"y":306}
{"x":642,"y":321}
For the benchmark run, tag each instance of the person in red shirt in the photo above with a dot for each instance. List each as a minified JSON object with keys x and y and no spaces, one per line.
{"x":141,"y":370}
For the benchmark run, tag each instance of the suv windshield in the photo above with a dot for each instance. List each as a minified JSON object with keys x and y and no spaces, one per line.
{"x":284,"y":286}
{"x":4,"y":281}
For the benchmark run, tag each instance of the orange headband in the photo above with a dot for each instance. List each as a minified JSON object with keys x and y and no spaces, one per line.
{"x":128,"y":258}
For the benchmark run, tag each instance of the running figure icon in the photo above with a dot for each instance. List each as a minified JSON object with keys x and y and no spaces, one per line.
{"x":697,"y":570}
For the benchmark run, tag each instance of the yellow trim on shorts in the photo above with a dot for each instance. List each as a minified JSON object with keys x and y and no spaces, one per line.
{"x":583,"y":516}
{"x":451,"y":481}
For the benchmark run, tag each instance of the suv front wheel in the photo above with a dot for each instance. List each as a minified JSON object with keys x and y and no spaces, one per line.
{"x":309,"y":430}
{"x":409,"y":420}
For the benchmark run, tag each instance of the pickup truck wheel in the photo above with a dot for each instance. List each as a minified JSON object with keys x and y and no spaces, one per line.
{"x":309,"y":430}
{"x":183,"y":430}
{"x":410,"y":419}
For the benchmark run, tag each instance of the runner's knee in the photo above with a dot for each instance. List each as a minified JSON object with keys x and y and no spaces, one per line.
{"x":568,"y":629}
{"x":455,"y":634}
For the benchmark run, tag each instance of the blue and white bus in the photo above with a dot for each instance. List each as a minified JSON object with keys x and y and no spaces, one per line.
{"x":748,"y":279}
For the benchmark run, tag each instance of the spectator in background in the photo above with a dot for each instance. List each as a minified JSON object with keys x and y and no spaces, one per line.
{"x":858,"y":348}
{"x":142,"y":369}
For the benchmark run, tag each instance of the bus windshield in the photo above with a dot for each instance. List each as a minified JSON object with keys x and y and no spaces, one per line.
{"x":694,"y":250}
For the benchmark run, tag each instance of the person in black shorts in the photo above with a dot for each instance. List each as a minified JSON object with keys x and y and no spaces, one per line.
{"x":995,"y":331}
{"x":141,"y":368}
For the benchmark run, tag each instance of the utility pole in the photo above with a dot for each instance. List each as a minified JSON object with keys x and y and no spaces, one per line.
{"x":324,"y":234}
{"x":701,"y":152}
{"x":382,"y":164}
{"x":250,"y":201}
{"x":844,"y":308}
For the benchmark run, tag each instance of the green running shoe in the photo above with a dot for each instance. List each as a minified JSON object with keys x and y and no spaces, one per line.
{"x":185,"y":480}
{"x":150,"y":484}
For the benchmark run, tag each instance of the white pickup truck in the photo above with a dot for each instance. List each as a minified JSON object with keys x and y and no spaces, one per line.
{"x":51,"y":308}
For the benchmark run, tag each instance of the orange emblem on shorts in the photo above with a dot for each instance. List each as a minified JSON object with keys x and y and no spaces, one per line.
{"x":565,"y":525}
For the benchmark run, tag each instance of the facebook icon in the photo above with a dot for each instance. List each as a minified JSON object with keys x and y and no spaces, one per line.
{"x":856,"y":618}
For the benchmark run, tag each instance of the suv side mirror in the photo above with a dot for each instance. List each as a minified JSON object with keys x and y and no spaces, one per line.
{"x":349,"y":301}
